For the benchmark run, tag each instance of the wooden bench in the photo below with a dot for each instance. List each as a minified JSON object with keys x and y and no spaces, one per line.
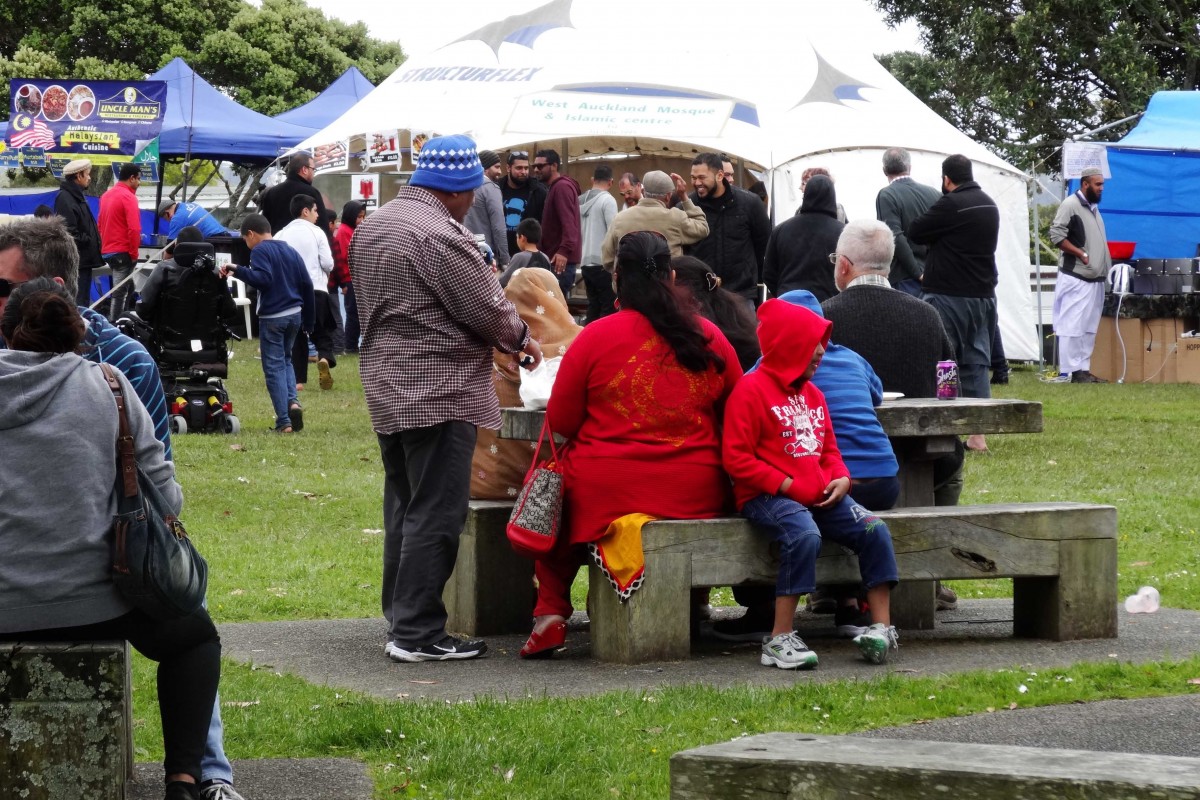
{"x":1062,"y":558}
{"x":804,"y":765}
{"x":65,"y":720}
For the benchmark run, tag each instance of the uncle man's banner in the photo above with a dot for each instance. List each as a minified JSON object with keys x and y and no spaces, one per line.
{"x":106,"y":121}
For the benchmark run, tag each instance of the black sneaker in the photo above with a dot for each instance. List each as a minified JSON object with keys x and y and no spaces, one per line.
{"x":851,"y":622}
{"x":749,"y":627}
{"x":178,"y":790}
{"x":296,"y":416}
{"x":450,"y":648}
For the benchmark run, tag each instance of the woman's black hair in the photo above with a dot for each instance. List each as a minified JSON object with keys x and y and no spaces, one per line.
{"x":644,"y":285}
{"x":350,"y":213}
{"x":40,"y":317}
{"x":720,"y":306}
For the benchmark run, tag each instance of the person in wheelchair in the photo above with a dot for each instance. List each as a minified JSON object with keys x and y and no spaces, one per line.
{"x":189,"y":308}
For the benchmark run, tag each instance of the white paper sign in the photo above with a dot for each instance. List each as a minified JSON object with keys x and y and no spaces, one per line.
{"x":328,"y":157}
{"x":565,"y":113}
{"x":1078,"y":156}
{"x":383,"y":147}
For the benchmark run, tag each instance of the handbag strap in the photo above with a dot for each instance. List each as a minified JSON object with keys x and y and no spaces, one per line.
{"x":126,"y":460}
{"x":544,"y":435}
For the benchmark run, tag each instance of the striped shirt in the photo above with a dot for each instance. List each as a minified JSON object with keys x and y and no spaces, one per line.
{"x":104,"y":344}
{"x":431,"y":311}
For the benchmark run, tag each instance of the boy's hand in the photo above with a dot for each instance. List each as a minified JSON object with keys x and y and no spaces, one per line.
{"x":834,"y":492}
{"x":783,"y":487}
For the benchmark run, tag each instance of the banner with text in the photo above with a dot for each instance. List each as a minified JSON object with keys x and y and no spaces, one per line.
{"x":52,"y":120}
{"x":582,"y":113}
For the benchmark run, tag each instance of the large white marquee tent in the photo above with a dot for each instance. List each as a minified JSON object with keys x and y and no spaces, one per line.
{"x":779,"y":85}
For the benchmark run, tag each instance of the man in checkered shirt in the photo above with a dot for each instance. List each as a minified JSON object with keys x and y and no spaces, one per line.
{"x":431,"y":313}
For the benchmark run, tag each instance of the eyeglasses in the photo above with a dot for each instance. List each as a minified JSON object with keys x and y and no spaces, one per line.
{"x":833,"y":257}
{"x":518,"y":155}
{"x":7,"y":287}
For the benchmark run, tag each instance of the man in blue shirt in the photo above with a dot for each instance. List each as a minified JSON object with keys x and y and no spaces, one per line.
{"x":180,"y":215}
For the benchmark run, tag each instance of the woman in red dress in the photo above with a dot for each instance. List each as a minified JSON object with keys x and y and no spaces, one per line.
{"x":639,"y":396}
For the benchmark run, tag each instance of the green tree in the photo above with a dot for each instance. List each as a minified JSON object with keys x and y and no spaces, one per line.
{"x":1020,"y":74}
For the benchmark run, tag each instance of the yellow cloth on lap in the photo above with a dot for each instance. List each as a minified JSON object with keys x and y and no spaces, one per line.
{"x":619,"y":553}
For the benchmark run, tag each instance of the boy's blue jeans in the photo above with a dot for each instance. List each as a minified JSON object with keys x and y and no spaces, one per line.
{"x":799,"y":531}
{"x":276,"y":335}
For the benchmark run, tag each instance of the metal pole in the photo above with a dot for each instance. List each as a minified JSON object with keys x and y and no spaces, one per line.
{"x":1037,"y":267}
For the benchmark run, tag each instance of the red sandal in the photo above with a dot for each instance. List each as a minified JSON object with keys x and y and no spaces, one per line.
{"x":543,"y":645}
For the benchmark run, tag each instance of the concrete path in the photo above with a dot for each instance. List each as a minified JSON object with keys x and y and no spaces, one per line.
{"x":349,"y":654}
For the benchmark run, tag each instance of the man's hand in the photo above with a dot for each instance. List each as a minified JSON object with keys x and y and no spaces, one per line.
{"x":681,"y":187}
{"x":226,"y":270}
{"x":531,"y":356}
{"x":559,"y":262}
{"x":834,"y":492}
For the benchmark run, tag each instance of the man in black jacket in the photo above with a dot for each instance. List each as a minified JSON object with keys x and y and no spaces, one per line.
{"x":738,"y":228}
{"x":276,"y":202}
{"x":72,"y":206}
{"x":898,"y":205}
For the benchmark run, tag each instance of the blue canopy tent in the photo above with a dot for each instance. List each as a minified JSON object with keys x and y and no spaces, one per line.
{"x":330,"y":104}
{"x":201,"y":122}
{"x":1151,"y":197}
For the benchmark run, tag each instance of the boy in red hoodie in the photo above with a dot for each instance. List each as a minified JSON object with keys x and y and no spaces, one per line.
{"x":789,"y":480}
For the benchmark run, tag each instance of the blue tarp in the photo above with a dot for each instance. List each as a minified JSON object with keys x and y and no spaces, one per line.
{"x":23,"y":201}
{"x":330,"y":104}
{"x":202,"y":121}
{"x":1151,"y":197}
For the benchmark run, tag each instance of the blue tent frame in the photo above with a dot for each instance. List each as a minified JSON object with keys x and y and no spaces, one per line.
{"x":330,"y":104}
{"x":201,"y":122}
{"x":1151,"y":197}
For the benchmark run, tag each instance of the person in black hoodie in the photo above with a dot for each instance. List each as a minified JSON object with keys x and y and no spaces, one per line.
{"x":72,"y":206}
{"x":738,"y":227}
{"x":276,"y":202}
{"x":798,"y":250}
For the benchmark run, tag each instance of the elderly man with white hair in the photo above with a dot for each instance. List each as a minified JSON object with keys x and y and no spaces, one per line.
{"x":868,"y":315}
{"x":682,"y":225}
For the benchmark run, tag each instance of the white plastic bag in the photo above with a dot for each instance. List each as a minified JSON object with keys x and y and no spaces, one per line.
{"x":537,"y":382}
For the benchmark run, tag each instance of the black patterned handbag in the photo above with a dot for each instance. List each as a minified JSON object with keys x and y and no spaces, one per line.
{"x":533,"y":527}
{"x":155,"y":566}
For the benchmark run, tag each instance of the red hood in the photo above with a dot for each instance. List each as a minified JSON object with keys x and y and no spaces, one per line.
{"x":789,"y":336}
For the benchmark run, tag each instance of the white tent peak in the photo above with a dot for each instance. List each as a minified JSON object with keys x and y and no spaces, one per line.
{"x":523,"y":29}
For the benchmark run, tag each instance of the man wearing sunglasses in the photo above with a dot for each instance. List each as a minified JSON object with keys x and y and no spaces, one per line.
{"x":562,"y":237}
{"x":523,"y":198}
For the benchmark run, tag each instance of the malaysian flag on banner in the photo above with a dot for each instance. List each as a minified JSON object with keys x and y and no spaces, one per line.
{"x":27,"y":132}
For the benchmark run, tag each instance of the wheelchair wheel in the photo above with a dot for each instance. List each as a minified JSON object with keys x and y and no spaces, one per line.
{"x":231,"y":424}
{"x":178,"y":425}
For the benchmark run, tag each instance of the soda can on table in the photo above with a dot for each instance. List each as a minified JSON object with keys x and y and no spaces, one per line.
{"x":947,"y":380}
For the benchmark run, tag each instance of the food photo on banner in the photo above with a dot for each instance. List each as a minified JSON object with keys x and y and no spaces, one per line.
{"x":55,"y":121}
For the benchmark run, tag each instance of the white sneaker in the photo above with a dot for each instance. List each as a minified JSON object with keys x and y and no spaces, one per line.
{"x":787,"y":651}
{"x":875,"y":643}
{"x":220,"y":791}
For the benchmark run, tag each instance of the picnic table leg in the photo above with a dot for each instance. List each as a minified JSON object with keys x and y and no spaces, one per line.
{"x":913,"y":603}
{"x":653,"y":624}
{"x":1081,"y":603}
{"x":491,"y":588}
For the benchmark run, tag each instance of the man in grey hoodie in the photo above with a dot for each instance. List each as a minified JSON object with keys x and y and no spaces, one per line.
{"x":597,"y":207}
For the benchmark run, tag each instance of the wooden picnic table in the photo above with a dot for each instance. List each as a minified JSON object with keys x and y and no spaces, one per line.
{"x":921,"y":430}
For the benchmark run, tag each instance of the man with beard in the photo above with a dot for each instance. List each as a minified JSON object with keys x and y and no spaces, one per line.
{"x":276,"y":203}
{"x":523,"y":198}
{"x":738,"y":227}
{"x":562,"y":238}
{"x":1078,"y":230}
{"x":630,"y":188}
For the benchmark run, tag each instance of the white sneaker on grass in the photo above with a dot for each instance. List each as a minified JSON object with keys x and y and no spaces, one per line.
{"x":787,"y":651}
{"x":877,"y":641}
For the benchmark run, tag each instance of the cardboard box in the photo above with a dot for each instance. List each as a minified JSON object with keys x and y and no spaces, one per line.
{"x":1106,"y":358}
{"x":1189,"y":360}
{"x":1160,"y":360}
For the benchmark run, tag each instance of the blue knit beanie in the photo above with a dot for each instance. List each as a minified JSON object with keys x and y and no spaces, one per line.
{"x":448,"y":164}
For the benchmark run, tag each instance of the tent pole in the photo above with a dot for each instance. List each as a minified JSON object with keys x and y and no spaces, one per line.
{"x":1037,"y":271}
{"x":162,"y":174}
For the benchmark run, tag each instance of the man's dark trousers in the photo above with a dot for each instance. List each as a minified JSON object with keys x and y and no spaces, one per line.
{"x":427,"y":487}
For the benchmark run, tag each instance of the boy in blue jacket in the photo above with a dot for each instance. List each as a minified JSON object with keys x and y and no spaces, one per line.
{"x":285,"y":305}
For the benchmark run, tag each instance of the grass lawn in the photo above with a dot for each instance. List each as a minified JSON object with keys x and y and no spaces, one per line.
{"x":291,"y":527}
